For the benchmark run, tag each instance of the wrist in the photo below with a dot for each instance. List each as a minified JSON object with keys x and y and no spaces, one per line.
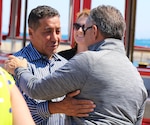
{"x":54,"y":107}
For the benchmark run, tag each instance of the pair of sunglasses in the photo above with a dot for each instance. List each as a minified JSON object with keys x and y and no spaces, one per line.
{"x":77,"y":26}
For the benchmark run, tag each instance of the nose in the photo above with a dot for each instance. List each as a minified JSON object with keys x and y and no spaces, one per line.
{"x":54,"y":36}
{"x":80,"y":29}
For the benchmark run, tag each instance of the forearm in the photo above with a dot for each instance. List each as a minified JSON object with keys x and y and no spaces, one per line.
{"x":46,"y":88}
{"x":19,"y":108}
{"x":25,"y":80}
{"x":72,"y":107}
{"x":62,"y":81}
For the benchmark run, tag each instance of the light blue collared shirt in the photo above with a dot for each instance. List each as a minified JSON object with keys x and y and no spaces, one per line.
{"x":41,"y":66}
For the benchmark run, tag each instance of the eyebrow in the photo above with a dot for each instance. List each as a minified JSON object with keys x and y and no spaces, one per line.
{"x":48,"y":28}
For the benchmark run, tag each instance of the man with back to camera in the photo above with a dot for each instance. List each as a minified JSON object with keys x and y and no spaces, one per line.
{"x":103,"y":74}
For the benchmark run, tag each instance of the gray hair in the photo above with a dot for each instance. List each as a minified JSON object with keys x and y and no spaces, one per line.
{"x":109,"y":21}
{"x":40,"y":12}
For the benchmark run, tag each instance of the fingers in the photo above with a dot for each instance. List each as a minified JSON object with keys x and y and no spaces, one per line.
{"x":72,"y":94}
{"x":9,"y":67}
{"x":84,"y":112}
{"x":82,"y":115}
{"x":74,"y":107}
{"x":82,"y":102}
{"x":13,"y":62}
{"x":11,"y":57}
{"x":86,"y":106}
{"x":81,"y":108}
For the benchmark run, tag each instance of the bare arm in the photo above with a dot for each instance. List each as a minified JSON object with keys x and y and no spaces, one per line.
{"x":19,"y":107}
{"x":72,"y":107}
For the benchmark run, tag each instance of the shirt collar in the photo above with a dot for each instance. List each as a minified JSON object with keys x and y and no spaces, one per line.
{"x":108,"y":44}
{"x":96,"y":46}
{"x":38,"y":56}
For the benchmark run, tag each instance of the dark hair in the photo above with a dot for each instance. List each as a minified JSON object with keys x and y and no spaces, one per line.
{"x":109,"y":21}
{"x":40,"y":12}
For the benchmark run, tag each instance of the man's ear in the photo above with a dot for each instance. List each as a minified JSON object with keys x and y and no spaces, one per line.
{"x":95,"y":31}
{"x":30,"y":30}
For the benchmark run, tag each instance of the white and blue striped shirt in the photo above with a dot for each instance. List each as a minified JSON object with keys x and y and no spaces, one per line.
{"x":41,"y":66}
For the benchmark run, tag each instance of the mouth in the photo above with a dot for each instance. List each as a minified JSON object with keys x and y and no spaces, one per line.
{"x":53,"y":46}
{"x":80,"y":35}
{"x":79,"y":39}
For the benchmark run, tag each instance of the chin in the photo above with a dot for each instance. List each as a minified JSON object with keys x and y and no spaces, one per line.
{"x":54,"y":51}
{"x":78,"y":42}
{"x":54,"y":48}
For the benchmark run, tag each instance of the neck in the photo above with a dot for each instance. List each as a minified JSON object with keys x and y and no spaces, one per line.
{"x":81,"y":48}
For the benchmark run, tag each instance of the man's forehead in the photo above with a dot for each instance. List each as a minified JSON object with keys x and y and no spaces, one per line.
{"x":51,"y":23}
{"x":51,"y":27}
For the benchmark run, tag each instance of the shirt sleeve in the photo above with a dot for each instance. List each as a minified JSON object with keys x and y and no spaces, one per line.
{"x":39,"y":110}
{"x":140,"y":114}
{"x":72,"y":76}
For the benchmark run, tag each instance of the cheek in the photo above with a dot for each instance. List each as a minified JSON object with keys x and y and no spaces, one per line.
{"x":47,"y":37}
{"x":89,"y":39}
{"x":86,"y":39}
{"x":37,"y":37}
{"x":74,"y":33}
{"x":59,"y":38}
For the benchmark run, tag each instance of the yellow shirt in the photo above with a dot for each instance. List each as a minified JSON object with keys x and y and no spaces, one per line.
{"x":6,"y":82}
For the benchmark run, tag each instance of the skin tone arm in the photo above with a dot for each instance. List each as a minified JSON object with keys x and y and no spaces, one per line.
{"x":19,"y":107}
{"x":72,"y":107}
{"x":69,"y":106}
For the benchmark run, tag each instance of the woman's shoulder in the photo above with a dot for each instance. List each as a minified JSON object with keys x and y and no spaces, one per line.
{"x":68,"y":54}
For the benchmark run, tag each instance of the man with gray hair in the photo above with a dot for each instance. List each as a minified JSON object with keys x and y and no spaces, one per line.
{"x":104,"y":74}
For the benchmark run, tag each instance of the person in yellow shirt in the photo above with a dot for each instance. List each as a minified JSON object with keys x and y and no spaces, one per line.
{"x":13,"y":108}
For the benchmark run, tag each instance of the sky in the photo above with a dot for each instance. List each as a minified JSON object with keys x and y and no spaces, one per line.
{"x":142,"y":30}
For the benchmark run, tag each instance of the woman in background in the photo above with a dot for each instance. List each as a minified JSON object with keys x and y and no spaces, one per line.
{"x":78,"y":36}
{"x":13,"y":108}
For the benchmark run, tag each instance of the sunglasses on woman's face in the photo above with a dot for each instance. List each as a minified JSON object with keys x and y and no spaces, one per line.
{"x":77,"y":26}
